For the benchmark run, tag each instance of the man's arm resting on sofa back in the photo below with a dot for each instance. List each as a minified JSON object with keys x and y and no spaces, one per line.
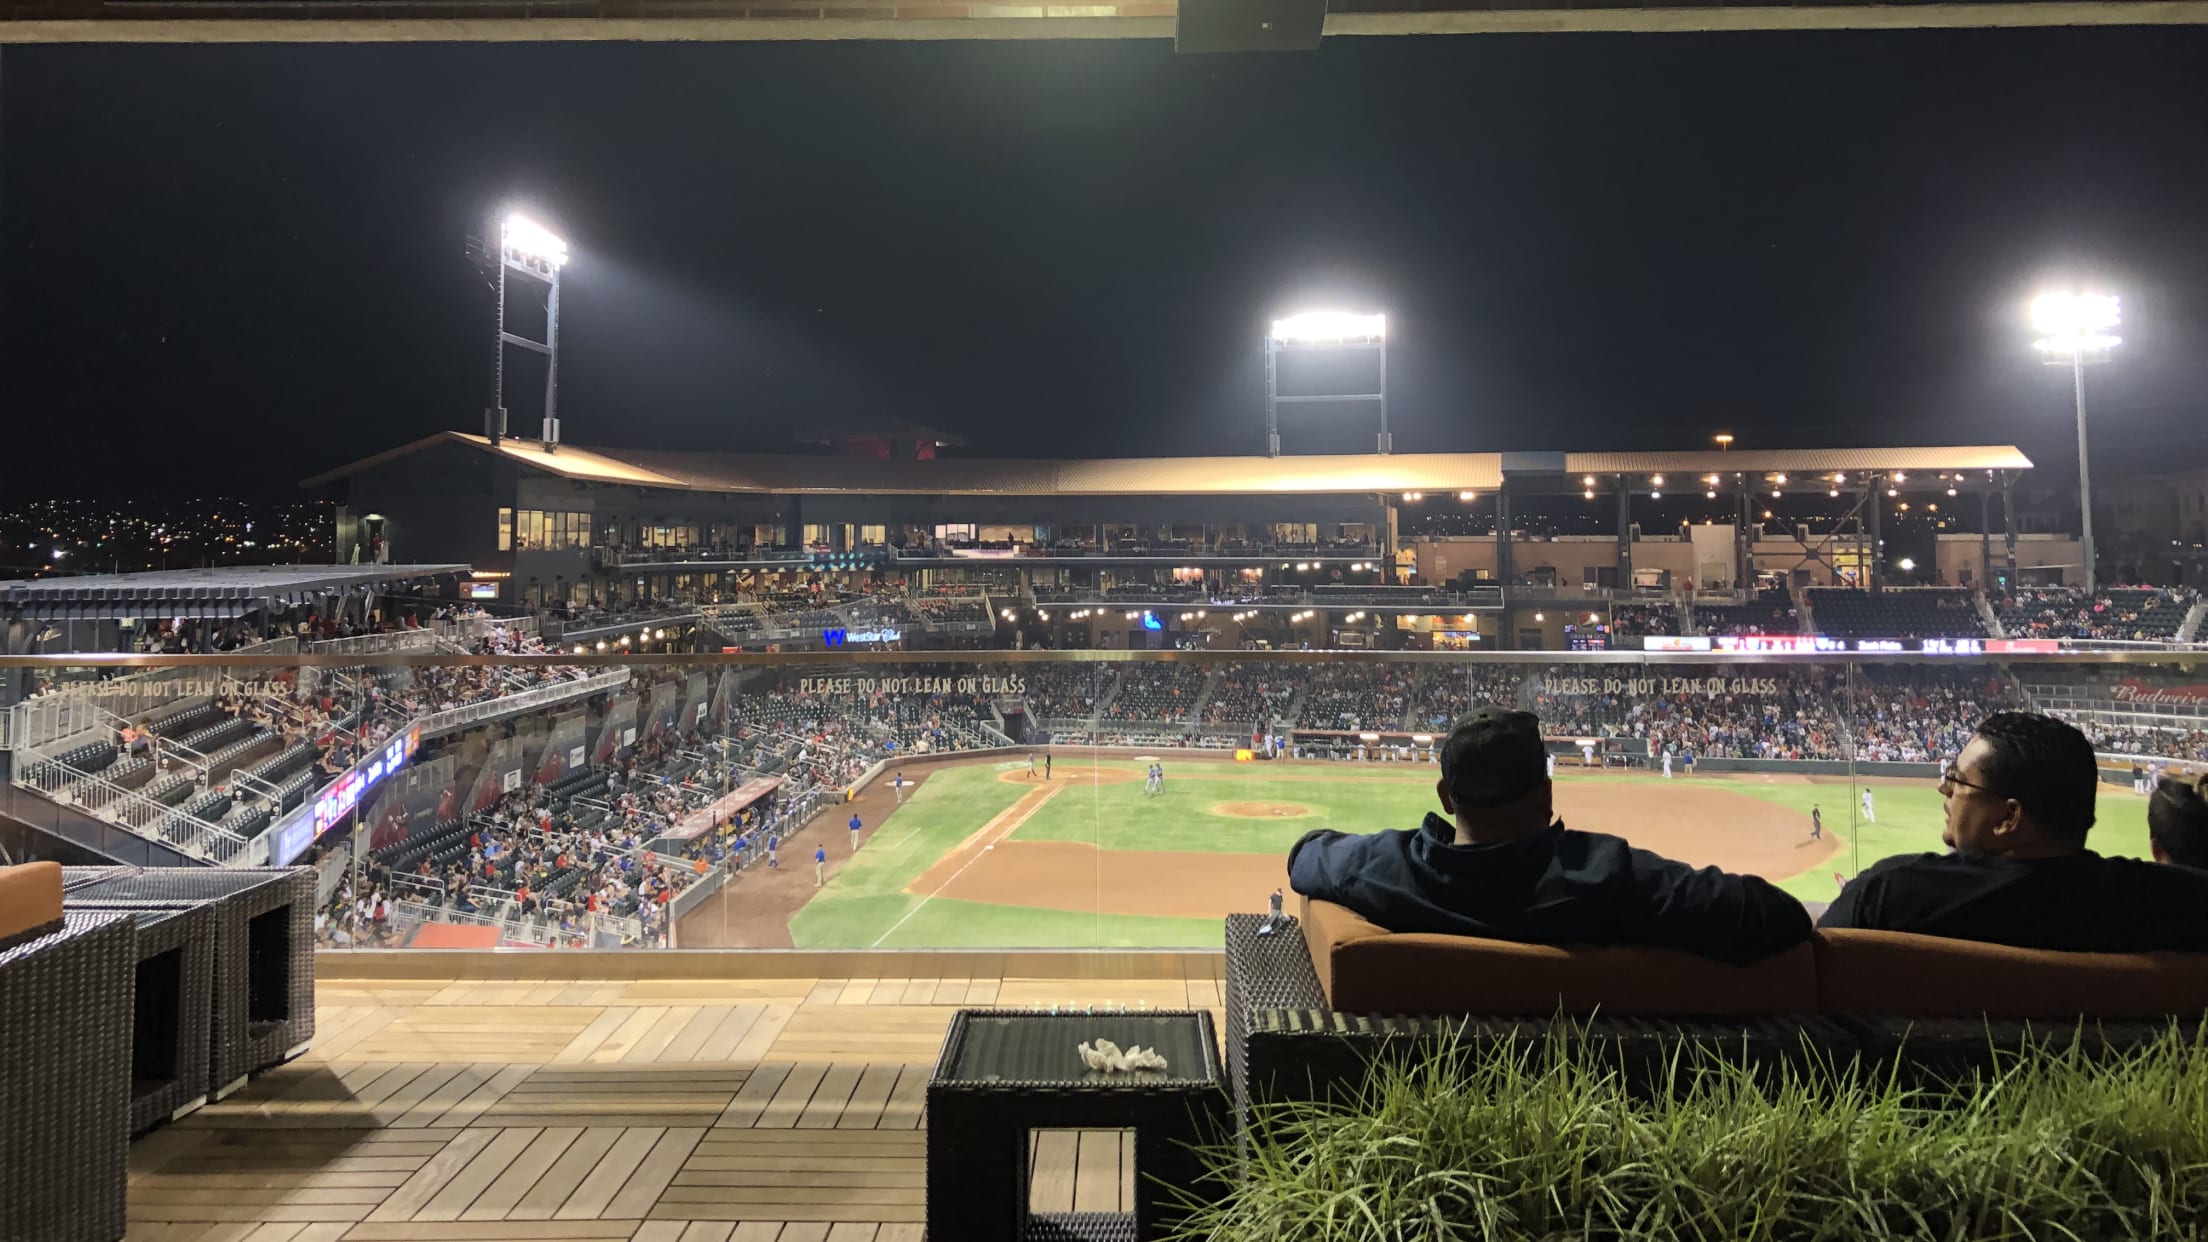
{"x":1727,"y":918}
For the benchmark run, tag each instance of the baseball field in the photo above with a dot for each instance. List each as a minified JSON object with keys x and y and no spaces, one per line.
{"x":980,"y":855}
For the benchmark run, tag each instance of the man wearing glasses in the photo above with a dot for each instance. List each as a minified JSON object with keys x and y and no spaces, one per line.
{"x":2019,"y":806}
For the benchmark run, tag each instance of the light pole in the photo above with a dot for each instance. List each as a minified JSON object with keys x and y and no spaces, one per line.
{"x":2074,"y":330}
{"x":533,"y":252}
{"x":1337,"y":331}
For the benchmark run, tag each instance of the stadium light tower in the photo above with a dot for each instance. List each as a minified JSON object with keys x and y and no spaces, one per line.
{"x":2074,"y":330}
{"x":1328,"y":331}
{"x":535,"y":253}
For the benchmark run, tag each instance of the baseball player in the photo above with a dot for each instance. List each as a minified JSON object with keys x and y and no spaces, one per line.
{"x":1869,"y":816}
{"x":1046,"y":765}
{"x":1552,"y":765}
{"x":820,"y":865}
{"x":897,"y":787}
{"x":855,"y":826}
{"x":1667,"y":765}
{"x":774,"y":844}
{"x":1816,"y":823}
{"x":1031,"y":765}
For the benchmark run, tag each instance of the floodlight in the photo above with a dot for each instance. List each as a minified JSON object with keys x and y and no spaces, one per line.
{"x":2072,"y":323}
{"x":1324,"y":326}
{"x":525,"y":236}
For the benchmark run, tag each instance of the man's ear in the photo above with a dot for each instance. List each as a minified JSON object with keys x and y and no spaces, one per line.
{"x":2012,"y":819}
{"x":1448,"y":804}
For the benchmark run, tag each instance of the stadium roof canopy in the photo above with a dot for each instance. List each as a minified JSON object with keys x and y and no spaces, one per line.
{"x":739,"y":473}
{"x":1178,"y":476}
{"x":198,"y":592}
{"x":1801,"y":461}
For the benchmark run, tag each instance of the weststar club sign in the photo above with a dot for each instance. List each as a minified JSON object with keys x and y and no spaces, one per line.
{"x":2129,"y":691}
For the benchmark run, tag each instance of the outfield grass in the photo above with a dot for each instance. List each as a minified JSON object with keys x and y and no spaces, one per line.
{"x":866,"y":905}
{"x":1910,"y":817}
{"x":1122,"y":817}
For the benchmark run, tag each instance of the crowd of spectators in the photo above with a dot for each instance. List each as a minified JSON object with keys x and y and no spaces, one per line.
{"x":2137,"y":614}
{"x":1642,"y":620}
{"x":1250,"y":694}
{"x":1354,"y":696}
{"x":1158,"y":692}
{"x":1769,"y":611}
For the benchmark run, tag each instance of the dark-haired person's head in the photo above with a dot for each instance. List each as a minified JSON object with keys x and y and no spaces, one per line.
{"x":2024,"y":787}
{"x":2177,"y":821}
{"x":1495,"y":776}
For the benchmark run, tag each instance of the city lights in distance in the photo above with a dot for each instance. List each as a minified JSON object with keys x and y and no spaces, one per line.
{"x":1321,"y":327}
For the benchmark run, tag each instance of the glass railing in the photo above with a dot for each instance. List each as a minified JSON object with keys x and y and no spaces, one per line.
{"x":1001,"y":800}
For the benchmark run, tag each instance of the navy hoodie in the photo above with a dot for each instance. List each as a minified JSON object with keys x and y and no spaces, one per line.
{"x":1554,"y":887}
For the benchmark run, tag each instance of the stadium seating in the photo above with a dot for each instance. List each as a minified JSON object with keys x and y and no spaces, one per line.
{"x":1157,"y":692}
{"x":1250,"y":695}
{"x":1354,"y":696}
{"x":1640,"y":620}
{"x":2137,"y":614}
{"x":1767,"y":612}
{"x":1912,"y":612}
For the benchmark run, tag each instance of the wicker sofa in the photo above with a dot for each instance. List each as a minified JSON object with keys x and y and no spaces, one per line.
{"x":1309,"y":1005}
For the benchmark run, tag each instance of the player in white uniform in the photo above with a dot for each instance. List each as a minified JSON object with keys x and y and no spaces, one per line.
{"x":1869,"y":817}
{"x":1667,"y":765}
{"x":1552,"y":765}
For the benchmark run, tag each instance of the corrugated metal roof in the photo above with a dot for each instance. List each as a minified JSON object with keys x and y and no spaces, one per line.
{"x":1801,"y":461}
{"x":228,"y":582}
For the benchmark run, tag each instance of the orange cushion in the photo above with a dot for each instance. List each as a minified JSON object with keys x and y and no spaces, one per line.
{"x":1365,"y":969}
{"x":1897,"y":974}
{"x":30,"y":896}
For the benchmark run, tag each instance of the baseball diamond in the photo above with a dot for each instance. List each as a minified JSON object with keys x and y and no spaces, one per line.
{"x":980,"y":856}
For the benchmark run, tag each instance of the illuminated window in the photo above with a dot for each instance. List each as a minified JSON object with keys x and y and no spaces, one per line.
{"x":505,"y":530}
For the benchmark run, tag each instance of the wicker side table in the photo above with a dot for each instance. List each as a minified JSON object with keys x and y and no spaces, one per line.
{"x":171,"y":1018}
{"x":263,"y":934}
{"x":65,"y":1029}
{"x":1004,"y":1073}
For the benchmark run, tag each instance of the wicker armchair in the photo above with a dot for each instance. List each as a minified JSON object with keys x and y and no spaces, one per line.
{"x":65,"y":1045}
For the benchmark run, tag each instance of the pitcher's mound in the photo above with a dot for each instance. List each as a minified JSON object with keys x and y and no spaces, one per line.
{"x":1260,"y":810}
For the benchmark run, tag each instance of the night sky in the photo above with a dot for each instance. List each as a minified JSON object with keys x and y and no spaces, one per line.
{"x":243,"y":265}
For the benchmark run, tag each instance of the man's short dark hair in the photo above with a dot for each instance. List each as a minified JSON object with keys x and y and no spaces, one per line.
{"x":2177,"y":821}
{"x":1494,"y":757}
{"x":2047,"y":766}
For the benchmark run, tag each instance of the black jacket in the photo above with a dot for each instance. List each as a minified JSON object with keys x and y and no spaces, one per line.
{"x":1555,"y":887}
{"x":2079,"y":902}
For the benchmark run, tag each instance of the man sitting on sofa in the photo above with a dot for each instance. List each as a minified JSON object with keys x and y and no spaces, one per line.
{"x":1504,"y":867}
{"x":2019,"y":805}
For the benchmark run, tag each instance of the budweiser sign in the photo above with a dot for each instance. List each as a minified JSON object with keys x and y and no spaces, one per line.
{"x":2129,"y":691}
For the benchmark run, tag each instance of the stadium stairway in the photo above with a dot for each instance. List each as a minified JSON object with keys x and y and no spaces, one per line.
{"x":1987,"y":615}
{"x":2189,"y":631}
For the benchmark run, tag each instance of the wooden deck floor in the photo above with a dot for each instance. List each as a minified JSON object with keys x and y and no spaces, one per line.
{"x":658,"y":1110}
